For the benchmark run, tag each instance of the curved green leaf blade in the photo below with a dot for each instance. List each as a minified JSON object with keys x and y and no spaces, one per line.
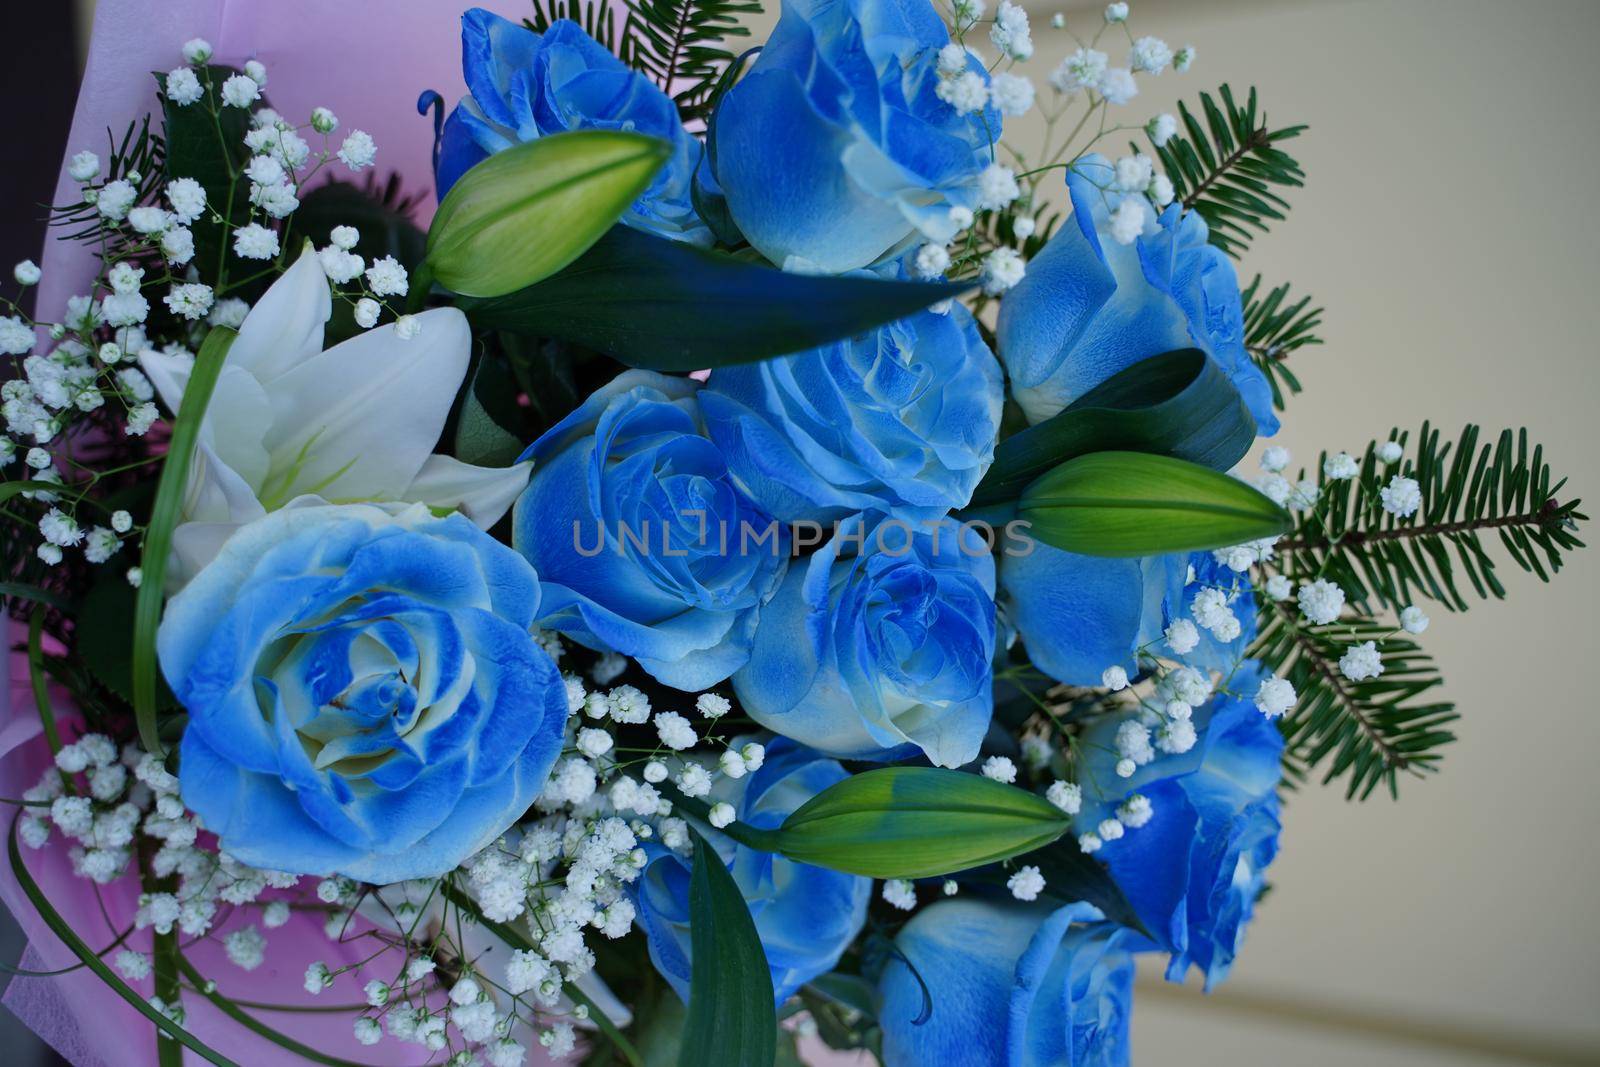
{"x":732,"y":1021}
{"x":526,"y":212}
{"x":917,"y":822}
{"x":1178,"y":404}
{"x":668,"y":306}
{"x":1133,"y":504}
{"x":163,"y":519}
{"x":69,"y":937}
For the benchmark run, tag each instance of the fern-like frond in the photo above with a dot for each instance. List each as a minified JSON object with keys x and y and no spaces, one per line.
{"x":1370,"y":731}
{"x":1229,"y":167}
{"x":1275,"y":328}
{"x":138,"y":157}
{"x":680,"y":45}
{"x":1469,"y":491}
{"x":595,"y":16}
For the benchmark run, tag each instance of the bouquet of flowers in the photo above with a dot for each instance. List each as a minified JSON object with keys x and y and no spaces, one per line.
{"x":758,"y":568}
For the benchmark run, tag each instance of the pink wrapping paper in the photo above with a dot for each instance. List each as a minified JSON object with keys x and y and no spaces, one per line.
{"x":367,"y":60}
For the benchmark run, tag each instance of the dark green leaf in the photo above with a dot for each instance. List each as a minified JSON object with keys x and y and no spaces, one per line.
{"x":917,"y":822}
{"x":103,"y":640}
{"x":481,"y":436}
{"x":732,"y":1021}
{"x":1176,"y":404}
{"x":205,"y":141}
{"x":163,"y":519}
{"x":1131,"y":504}
{"x":669,"y":306}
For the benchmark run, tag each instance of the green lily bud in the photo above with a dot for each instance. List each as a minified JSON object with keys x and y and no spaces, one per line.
{"x":524,"y":213}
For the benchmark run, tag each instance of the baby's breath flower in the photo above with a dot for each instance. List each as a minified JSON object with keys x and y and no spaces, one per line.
{"x":1275,"y":696}
{"x":358,"y":150}
{"x":182,"y":87}
{"x":1026,"y":884}
{"x":240,"y":90}
{"x":900,"y":893}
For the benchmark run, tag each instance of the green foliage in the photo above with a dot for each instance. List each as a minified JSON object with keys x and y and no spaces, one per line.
{"x":205,"y":141}
{"x":1469,"y":490}
{"x":1274,"y":329}
{"x":1228,"y":167}
{"x":1174,"y":404}
{"x":731,"y":1020}
{"x":1121,"y":504}
{"x":163,"y":520}
{"x":1368,"y":731}
{"x":668,"y":306}
{"x":595,"y":16}
{"x":678,"y":44}
{"x":139,"y":152}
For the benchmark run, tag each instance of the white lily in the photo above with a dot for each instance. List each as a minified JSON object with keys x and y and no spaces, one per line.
{"x":290,"y":424}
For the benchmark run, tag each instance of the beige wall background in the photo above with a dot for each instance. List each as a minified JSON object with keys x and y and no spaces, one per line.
{"x":1446,"y":227}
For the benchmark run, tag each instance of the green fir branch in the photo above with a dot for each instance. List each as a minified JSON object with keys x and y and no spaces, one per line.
{"x":1470,"y":492}
{"x":1275,"y":327}
{"x":1229,"y":167}
{"x":596,"y":17}
{"x":680,"y":45}
{"x":1369,"y":731}
{"x":138,"y":157}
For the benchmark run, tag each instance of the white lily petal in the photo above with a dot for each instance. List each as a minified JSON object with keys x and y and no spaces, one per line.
{"x":236,"y":425}
{"x":194,"y":544}
{"x":358,"y":421}
{"x":285,"y":327}
{"x":216,"y":492}
{"x":483,"y":494}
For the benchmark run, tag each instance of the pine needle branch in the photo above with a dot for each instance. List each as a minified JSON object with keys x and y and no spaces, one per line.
{"x":1469,"y":491}
{"x":1229,"y":167}
{"x":1371,"y":730}
{"x":1275,"y":328}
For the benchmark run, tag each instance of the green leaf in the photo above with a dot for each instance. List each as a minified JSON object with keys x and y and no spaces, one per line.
{"x":24,"y":591}
{"x":1176,"y":404}
{"x":524,"y":213}
{"x":205,"y":141}
{"x":163,"y":519}
{"x":103,"y":641}
{"x":250,"y":1022}
{"x":69,"y":937}
{"x":1132,"y":504}
{"x":732,"y":1021}
{"x":669,"y":306}
{"x":917,"y":822}
{"x":481,"y":438}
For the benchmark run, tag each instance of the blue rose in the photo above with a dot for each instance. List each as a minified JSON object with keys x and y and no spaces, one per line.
{"x":836,"y":150}
{"x":523,"y":85}
{"x":806,"y":916}
{"x":643,"y":543}
{"x":1194,"y":871}
{"x":1078,"y":615}
{"x":1088,"y":306}
{"x":1003,"y":984}
{"x":364,"y":695}
{"x":880,"y":646}
{"x":902,"y":420}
